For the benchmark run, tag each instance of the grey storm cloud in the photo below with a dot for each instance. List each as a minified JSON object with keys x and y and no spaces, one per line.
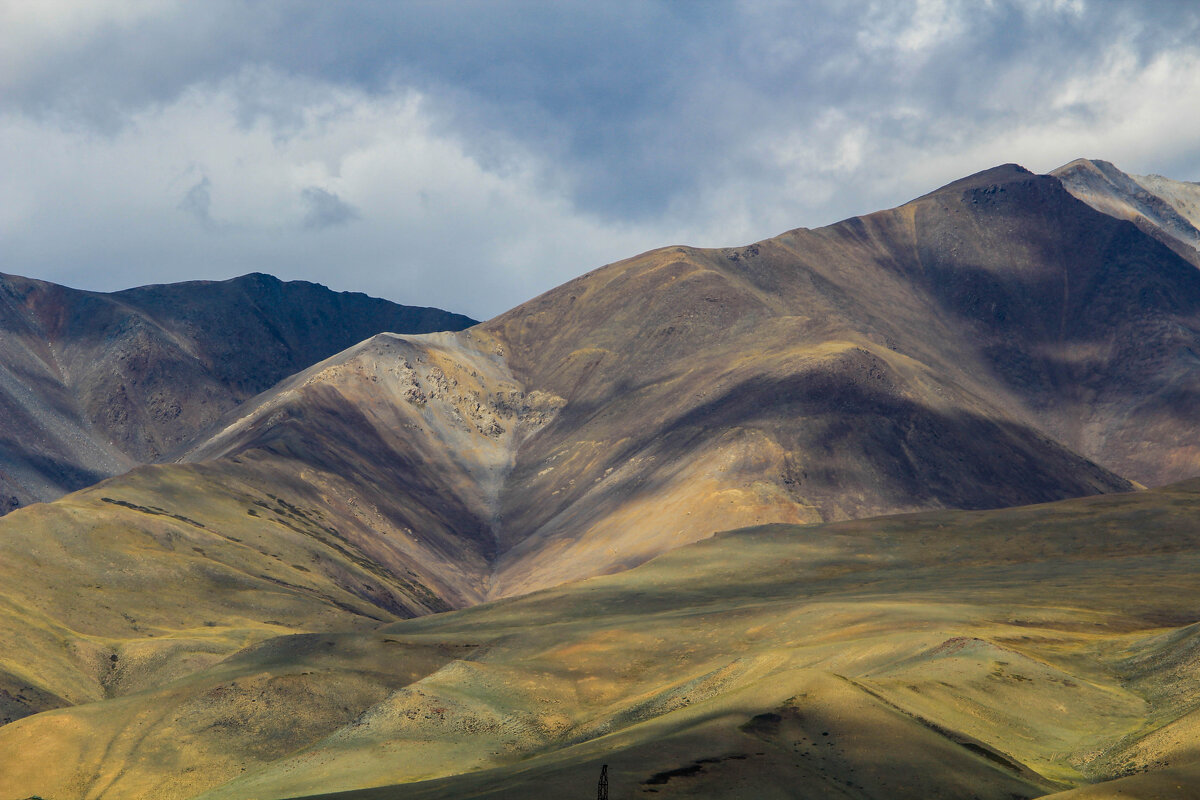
{"x":542,"y":139}
{"x":325,"y":209}
{"x":197,"y":201}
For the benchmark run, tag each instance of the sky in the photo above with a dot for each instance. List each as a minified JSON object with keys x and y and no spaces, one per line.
{"x":471,"y":155}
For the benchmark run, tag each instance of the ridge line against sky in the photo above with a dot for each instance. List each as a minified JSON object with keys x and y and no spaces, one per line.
{"x":470,"y":155}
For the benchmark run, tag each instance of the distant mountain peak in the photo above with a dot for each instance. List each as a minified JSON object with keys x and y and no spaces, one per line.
{"x":1168,"y":210}
{"x":93,"y":383}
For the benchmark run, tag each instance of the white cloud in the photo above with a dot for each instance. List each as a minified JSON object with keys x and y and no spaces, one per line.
{"x":915,"y":27}
{"x":1137,"y":115}
{"x":34,"y":32}
{"x":214,"y":188}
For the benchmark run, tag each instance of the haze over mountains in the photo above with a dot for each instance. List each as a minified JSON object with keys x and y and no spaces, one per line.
{"x":1009,"y":339}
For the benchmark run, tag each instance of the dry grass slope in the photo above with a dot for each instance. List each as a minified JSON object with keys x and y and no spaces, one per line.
{"x":1009,"y":653}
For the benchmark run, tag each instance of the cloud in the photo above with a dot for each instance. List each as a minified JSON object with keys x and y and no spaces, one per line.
{"x":362,"y":191}
{"x":325,"y":209}
{"x":198,"y":201}
{"x":473,"y":154}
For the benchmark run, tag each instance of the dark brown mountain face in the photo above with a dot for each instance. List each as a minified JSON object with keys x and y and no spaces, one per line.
{"x":91,"y":383}
{"x":1080,"y":323}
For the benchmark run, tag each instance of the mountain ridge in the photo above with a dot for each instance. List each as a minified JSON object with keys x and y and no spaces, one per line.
{"x":95,"y":383}
{"x":613,"y":350}
{"x":875,"y":405}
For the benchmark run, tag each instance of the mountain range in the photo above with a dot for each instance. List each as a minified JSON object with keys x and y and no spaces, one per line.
{"x":300,"y":487}
{"x":92,"y":384}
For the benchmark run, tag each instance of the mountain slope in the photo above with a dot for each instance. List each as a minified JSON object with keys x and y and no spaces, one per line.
{"x":880,"y":364}
{"x":91,"y":383}
{"x":126,"y":586}
{"x":1004,"y":284}
{"x":546,"y":488}
{"x":998,"y":653}
{"x":964,"y":350}
{"x":356,"y":504}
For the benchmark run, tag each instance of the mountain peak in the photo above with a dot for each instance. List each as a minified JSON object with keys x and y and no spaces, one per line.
{"x":1167,"y":210}
{"x":995,"y":176}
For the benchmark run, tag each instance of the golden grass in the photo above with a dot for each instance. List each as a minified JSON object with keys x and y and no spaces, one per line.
{"x":998,"y":654}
